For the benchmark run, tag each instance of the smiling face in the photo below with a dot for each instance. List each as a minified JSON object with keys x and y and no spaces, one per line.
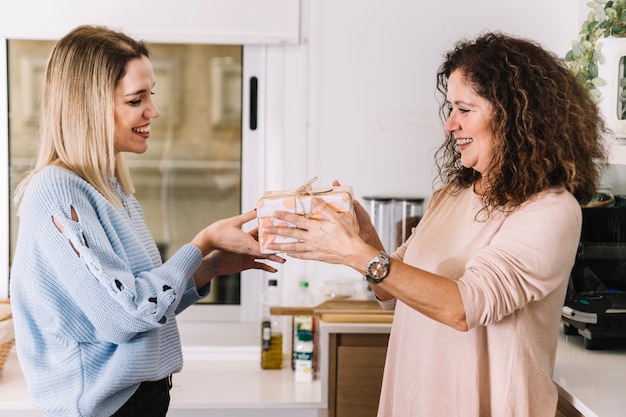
{"x":133,"y":107}
{"x":470,"y":123}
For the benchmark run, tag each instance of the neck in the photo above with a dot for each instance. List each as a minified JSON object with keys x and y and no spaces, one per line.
{"x":479,"y":187}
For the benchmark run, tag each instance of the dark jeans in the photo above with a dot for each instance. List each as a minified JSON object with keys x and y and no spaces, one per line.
{"x":152,"y":399}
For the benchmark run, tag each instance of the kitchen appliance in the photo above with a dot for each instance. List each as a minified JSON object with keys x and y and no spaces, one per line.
{"x":595,"y":306}
{"x":394,"y":218}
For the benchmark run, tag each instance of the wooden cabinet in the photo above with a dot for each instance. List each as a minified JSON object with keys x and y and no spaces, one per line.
{"x":565,"y":408}
{"x":356,"y":362}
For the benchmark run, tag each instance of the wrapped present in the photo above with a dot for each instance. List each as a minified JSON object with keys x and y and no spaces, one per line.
{"x":298,"y":201}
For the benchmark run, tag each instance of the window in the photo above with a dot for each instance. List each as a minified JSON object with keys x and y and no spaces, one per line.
{"x":191,"y":174}
{"x":270,"y":26}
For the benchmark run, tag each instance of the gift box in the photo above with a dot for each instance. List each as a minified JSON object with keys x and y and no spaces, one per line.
{"x":298,"y":201}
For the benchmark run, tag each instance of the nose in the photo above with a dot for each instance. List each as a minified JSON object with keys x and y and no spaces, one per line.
{"x":451,"y":123}
{"x":152,"y":111}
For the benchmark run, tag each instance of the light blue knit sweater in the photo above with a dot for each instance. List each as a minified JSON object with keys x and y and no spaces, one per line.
{"x":93,"y":307}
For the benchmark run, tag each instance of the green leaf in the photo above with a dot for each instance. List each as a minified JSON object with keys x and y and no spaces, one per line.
{"x":593,"y":70}
{"x":611,"y":12}
{"x":606,"y":18}
{"x":598,"y":82}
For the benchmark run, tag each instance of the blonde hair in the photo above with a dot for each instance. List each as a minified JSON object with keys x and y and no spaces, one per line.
{"x":77,"y":124}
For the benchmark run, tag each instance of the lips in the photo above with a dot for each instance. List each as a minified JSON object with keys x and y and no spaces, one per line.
{"x":464,"y":141}
{"x":143,"y":129}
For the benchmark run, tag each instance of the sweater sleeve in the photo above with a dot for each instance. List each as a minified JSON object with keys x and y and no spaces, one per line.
{"x":528,"y":258}
{"x":103,"y":261}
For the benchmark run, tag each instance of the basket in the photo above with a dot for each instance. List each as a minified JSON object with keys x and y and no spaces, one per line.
{"x":6,"y":332}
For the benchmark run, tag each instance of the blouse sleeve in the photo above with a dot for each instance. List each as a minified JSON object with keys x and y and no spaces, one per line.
{"x":102,"y":261}
{"x":528,"y":258}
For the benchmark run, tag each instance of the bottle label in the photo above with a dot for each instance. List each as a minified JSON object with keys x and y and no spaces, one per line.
{"x":303,"y":356}
{"x":266,"y":334}
{"x":304,"y":370}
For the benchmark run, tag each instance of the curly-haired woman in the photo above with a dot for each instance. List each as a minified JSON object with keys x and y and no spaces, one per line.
{"x":479,"y":286}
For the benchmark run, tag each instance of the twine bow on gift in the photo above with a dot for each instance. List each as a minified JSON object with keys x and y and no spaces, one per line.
{"x":307,"y":190}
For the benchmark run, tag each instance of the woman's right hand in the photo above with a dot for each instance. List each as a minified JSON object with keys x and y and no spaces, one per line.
{"x":367,"y":231}
{"x":325,"y":236}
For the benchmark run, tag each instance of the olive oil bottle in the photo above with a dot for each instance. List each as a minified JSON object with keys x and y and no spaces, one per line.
{"x":271,"y":330}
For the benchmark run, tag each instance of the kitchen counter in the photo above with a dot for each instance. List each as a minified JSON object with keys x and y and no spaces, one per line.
{"x":593,"y":382}
{"x":215,"y":382}
{"x":228,"y":382}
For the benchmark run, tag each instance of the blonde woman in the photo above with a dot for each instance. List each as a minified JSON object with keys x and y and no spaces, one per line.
{"x":94,"y":306}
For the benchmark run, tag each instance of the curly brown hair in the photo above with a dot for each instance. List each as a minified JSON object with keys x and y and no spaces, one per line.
{"x":547,"y":130}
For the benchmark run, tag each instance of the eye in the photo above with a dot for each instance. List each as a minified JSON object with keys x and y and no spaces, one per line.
{"x":139,"y":99}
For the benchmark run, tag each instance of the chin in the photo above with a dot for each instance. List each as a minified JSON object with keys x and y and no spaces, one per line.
{"x":140,"y":149}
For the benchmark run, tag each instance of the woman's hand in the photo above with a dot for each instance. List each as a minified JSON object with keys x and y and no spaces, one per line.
{"x":227,"y":249}
{"x":227,"y":235}
{"x":367,"y":231}
{"x":332,"y":239}
{"x":220,"y":262}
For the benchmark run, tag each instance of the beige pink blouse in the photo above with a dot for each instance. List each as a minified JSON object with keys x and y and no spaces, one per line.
{"x":512,"y":272}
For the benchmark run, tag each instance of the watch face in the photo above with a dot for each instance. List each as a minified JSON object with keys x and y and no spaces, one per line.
{"x":377,"y":270}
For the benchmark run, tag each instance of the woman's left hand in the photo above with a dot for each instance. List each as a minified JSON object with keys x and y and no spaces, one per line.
{"x":223,"y":263}
{"x":220,"y":262}
{"x":332,"y":239}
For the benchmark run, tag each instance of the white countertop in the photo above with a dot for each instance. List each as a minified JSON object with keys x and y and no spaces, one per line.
{"x":215,"y":381}
{"x":593,"y":381}
{"x":228,"y":382}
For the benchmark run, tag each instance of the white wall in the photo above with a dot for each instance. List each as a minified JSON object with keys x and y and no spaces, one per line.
{"x":354,"y":100}
{"x":186,"y":21}
{"x":367,"y":114}
{"x":372,"y":68}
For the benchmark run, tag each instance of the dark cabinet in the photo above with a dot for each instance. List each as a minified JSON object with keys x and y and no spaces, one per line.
{"x":356,"y":363}
{"x":566,"y":409}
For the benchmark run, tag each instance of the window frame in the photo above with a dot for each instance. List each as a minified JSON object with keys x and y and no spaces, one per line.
{"x":263,"y":47}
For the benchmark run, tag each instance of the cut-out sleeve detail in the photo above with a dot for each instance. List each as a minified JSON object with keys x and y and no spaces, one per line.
{"x":99,"y":263}
{"x":134,"y":293}
{"x":61,"y":229}
{"x":78,"y":313}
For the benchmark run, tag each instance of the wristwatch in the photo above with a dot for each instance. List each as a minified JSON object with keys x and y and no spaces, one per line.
{"x":378,"y":268}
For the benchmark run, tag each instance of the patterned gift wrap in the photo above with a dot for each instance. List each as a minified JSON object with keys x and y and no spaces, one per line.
{"x":298,"y":201}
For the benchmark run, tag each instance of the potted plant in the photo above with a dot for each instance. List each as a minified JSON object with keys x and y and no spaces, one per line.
{"x":607,"y":19}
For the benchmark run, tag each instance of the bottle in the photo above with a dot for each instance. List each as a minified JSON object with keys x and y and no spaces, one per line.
{"x":303,"y":296}
{"x":271,"y":329}
{"x":303,"y":351}
{"x":303,"y":327}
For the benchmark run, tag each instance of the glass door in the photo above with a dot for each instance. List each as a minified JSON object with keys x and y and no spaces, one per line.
{"x":191,"y":174}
